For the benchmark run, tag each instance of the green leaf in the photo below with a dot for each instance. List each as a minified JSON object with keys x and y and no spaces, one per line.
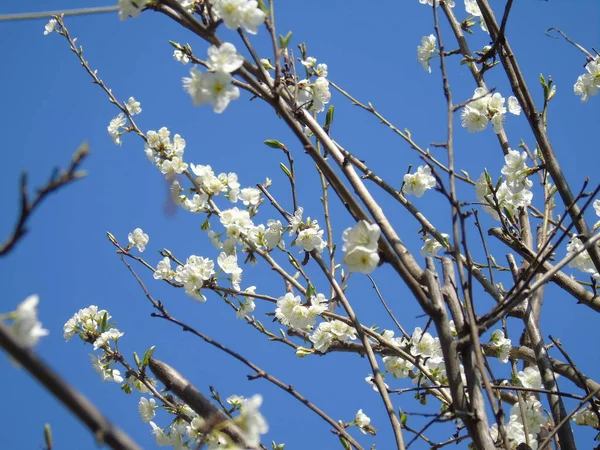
{"x":136,"y":358}
{"x":329,"y":117}
{"x":263,"y":7}
{"x":274,"y":143}
{"x":103,"y":323}
{"x":48,"y":436}
{"x":285,"y":40}
{"x":205,"y":225}
{"x":285,"y":170}
{"x":310,"y":291}
{"x":148,"y":355}
{"x":345,"y":443}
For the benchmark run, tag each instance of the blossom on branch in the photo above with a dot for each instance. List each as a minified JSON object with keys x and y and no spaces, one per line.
{"x":420,"y":181}
{"x":588,"y":84}
{"x":426,"y":51}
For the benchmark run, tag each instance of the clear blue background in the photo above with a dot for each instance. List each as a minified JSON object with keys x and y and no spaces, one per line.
{"x":48,"y":107}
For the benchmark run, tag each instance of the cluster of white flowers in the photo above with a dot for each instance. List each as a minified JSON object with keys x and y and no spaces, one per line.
{"x":92,"y":325}
{"x":139,"y":239}
{"x":588,"y":83}
{"x":314,"y":95}
{"x":502,"y":345}
{"x":329,"y":332}
{"x":431,"y":246}
{"x":513,"y":193}
{"x":360,"y":247}
{"x":290,"y":310}
{"x":420,"y":181}
{"x":587,"y":417}
{"x":309,"y":235}
{"x":183,"y":435}
{"x":398,"y":367}
{"x":320,"y":69}
{"x":215,"y":87}
{"x":473,"y":9}
{"x":193,"y":274}
{"x":515,"y":430}
{"x":239,"y":14}
{"x":485,"y":108}
{"x":426,"y":51}
{"x":167,"y":154}
{"x":25,"y":326}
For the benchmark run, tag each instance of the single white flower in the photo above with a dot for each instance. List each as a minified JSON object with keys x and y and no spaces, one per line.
{"x":431,"y":247}
{"x":361,"y":259}
{"x":251,"y":422}
{"x":114,"y":128}
{"x":163,"y":270}
{"x":146,"y":408}
{"x":212,"y":87}
{"x":362,"y":421}
{"x":224,"y":58}
{"x":26,"y":327}
{"x":418,"y":182}
{"x":138,"y":239}
{"x":133,"y":106}
{"x":426,"y":51}
{"x":50,"y":26}
{"x":530,"y":378}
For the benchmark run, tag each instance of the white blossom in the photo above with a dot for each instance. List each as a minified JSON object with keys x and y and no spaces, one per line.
{"x":103,"y":369}
{"x":224,"y":58}
{"x":398,"y":367}
{"x":133,"y":106}
{"x":315,"y":95}
{"x":26,"y":327}
{"x":251,"y":422}
{"x":362,"y":421}
{"x":181,"y":57}
{"x":431,"y":247}
{"x":162,"y":440}
{"x":138,"y":239}
{"x":50,"y":26}
{"x":484,"y":108}
{"x":426,"y":51}
{"x":418,"y":182}
{"x":146,"y":408}
{"x":114,"y":128}
{"x":239,"y":13}
{"x":530,"y":377}
{"x":211,"y":87}
{"x":588,"y":84}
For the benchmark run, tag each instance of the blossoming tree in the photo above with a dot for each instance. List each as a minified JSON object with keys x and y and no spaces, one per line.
{"x":478,"y":357}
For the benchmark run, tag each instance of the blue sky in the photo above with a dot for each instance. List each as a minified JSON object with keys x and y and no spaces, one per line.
{"x":49,"y":107}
